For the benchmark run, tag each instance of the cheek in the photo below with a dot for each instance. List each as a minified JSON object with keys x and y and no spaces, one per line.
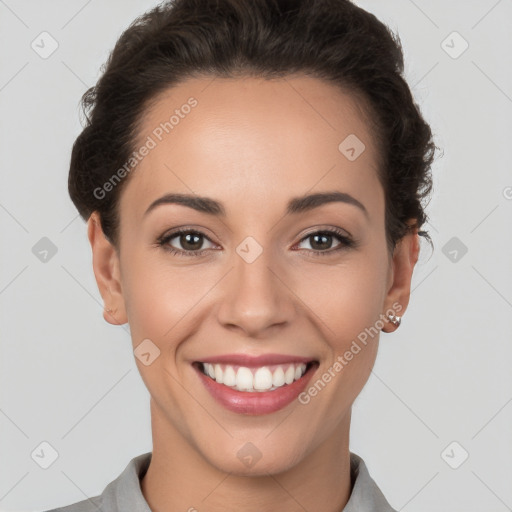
{"x":347,"y":297}
{"x":160,"y":298}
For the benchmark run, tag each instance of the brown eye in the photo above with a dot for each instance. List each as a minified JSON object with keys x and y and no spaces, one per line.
{"x":189,"y":242}
{"x":322,"y":241}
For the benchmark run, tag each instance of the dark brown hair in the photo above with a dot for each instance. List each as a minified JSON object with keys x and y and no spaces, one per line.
{"x":333,"y":40}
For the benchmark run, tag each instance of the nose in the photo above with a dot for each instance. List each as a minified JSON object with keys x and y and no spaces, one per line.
{"x":255,"y":297}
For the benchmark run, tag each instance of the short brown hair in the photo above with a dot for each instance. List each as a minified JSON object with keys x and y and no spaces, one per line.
{"x":333,"y":40}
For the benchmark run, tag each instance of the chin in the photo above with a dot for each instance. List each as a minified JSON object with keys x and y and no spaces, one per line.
{"x":254,"y":458}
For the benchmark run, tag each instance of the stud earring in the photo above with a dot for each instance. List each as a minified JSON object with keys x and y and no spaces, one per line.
{"x":395,"y":320}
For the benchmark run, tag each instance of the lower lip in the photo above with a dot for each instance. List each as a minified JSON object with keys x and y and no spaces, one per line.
{"x":257,"y":402}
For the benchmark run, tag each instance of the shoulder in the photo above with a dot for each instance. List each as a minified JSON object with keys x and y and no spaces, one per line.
{"x":88,"y":505}
{"x":366,"y":495}
{"x":124,"y":490}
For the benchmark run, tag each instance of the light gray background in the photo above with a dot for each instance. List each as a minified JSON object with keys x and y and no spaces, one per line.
{"x":70,"y":379}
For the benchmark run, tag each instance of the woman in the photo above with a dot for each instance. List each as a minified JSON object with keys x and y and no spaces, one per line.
{"x":253,"y":175}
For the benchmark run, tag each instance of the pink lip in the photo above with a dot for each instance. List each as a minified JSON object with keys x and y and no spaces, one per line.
{"x":259,"y":402}
{"x":255,"y":361}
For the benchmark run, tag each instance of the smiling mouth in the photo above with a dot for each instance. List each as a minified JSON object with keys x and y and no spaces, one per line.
{"x":255,"y":379}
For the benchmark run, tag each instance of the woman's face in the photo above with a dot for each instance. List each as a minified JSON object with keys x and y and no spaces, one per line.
{"x":266,"y":273}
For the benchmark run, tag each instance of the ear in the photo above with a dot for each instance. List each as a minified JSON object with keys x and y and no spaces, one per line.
{"x":107,"y":272}
{"x":405,"y":256}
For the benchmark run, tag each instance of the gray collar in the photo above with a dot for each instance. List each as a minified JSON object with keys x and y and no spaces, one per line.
{"x":124,"y":493}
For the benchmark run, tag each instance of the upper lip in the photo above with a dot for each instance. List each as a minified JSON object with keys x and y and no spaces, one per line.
{"x":261,"y":360}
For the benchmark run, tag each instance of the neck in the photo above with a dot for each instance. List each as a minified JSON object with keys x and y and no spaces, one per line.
{"x":179,"y":478}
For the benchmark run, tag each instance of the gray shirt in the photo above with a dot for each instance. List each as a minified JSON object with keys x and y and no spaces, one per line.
{"x":124,"y":493}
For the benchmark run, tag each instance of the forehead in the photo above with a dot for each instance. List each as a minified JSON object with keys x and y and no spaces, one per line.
{"x":237,"y":139}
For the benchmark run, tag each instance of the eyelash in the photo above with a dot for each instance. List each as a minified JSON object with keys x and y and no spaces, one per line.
{"x":346,"y":242}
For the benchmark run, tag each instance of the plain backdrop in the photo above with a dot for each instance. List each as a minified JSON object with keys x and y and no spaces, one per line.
{"x":433,"y":422}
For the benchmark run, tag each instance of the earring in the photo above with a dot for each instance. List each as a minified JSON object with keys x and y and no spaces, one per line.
{"x":110,"y":310}
{"x":395,"y":320}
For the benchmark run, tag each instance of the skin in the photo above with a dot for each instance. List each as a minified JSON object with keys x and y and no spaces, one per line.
{"x":252,"y":144}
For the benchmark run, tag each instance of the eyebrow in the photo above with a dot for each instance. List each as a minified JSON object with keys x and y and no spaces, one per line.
{"x":296,"y":205}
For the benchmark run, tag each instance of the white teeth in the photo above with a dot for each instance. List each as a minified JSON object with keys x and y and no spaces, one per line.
{"x":244,"y":379}
{"x":260,"y":379}
{"x":278,"y":377}
{"x":289,"y":375}
{"x":218,"y":373}
{"x":229,"y":377}
{"x":263,"y":378}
